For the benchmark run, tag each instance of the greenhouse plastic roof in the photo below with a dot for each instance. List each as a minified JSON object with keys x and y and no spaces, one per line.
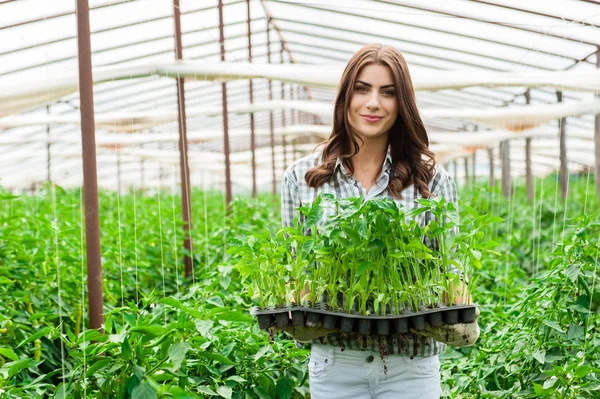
{"x":495,"y":39}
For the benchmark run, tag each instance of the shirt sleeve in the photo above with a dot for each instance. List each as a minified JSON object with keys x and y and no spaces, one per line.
{"x":290,"y":199}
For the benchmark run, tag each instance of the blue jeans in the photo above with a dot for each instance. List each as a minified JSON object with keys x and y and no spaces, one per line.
{"x":334,"y":374}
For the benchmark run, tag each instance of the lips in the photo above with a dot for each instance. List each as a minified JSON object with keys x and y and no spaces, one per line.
{"x":372,"y":118}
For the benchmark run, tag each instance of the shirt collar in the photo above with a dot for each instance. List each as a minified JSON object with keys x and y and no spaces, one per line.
{"x":387,"y":165}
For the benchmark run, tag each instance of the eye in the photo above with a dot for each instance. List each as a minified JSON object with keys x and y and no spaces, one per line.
{"x":361,"y":89}
{"x":389,"y":93}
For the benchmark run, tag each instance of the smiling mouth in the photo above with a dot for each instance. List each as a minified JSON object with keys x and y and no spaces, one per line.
{"x":372,"y":118}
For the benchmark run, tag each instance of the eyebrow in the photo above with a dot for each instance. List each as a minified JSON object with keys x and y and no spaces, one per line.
{"x":370,"y":85}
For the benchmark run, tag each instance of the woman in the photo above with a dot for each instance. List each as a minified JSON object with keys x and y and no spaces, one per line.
{"x":378,"y":149}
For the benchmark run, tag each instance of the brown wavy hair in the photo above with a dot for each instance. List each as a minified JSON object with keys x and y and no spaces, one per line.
{"x":413,"y":162}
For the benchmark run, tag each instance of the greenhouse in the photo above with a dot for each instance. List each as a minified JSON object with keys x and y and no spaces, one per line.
{"x":193,"y":202}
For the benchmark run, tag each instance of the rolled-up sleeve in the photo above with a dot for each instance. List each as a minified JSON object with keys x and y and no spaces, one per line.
{"x":290,"y":198}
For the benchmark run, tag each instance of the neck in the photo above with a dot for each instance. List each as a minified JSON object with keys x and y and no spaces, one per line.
{"x":371,"y":155}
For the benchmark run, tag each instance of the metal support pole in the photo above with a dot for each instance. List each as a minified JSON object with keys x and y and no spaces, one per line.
{"x":90,"y":178}
{"x":294,"y":149}
{"x":473,"y":161}
{"x":466,"y":164}
{"x":505,"y":158}
{"x":251,"y":90}
{"x":293,"y":111}
{"x":186,"y":208}
{"x":597,"y":134}
{"x":119,"y":171}
{"x":564,"y":172}
{"x":491,"y":164}
{"x":271,"y":122}
{"x":48,"y":146}
{"x":283,"y":117}
{"x":142,"y":175}
{"x":528,"y":173}
{"x":284,"y":145}
{"x":225,"y":115}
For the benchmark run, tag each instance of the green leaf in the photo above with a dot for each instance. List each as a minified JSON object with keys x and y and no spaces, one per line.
{"x":575,"y":331}
{"x":44,"y":331}
{"x":262,"y":394}
{"x":539,"y":355}
{"x":307,"y":247}
{"x":235,"y":316}
{"x":218,"y":357}
{"x":554,"y":325}
{"x":314,"y":215}
{"x":262,"y":351}
{"x":204,"y":326}
{"x":177,"y":353}
{"x":363,"y":267}
{"x":362,"y":228}
{"x":572,"y":272}
{"x":143,"y":391}
{"x":237,"y":378}
{"x":154,"y":329}
{"x":216,"y":300}
{"x":13,"y":368}
{"x":582,"y":371}
{"x":98,"y":365}
{"x":225,"y":392}
{"x":206,"y":390}
{"x":9,"y":354}
{"x":285,"y":388}
{"x":61,"y":391}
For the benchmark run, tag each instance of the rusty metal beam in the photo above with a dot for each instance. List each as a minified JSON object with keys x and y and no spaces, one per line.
{"x":271,"y":123}
{"x":490,"y":152}
{"x":528,"y":172}
{"x":186,"y":209}
{"x":412,"y":25}
{"x":519,"y":27}
{"x":505,"y":159}
{"x":226,"y":150}
{"x":564,"y":168}
{"x":251,"y":92}
{"x":597,"y":135}
{"x":90,"y":177}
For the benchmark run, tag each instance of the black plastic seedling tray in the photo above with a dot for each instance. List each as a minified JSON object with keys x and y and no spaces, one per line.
{"x":354,"y":322}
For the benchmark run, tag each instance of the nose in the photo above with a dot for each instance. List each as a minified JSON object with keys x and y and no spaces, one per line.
{"x":373,"y":103}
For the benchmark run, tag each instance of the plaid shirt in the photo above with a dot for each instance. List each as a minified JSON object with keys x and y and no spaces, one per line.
{"x":295,"y":193}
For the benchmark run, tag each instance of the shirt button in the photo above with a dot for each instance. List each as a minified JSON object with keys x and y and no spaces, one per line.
{"x":370,"y":359}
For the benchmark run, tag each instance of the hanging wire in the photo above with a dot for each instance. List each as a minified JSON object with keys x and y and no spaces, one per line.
{"x":162,"y":253}
{"x":135,"y":241}
{"x":175,"y":238}
{"x":55,"y":227}
{"x":83,"y":273}
{"x":119,"y":228}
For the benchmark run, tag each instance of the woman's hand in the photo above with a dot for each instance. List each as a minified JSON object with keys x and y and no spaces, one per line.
{"x":461,"y":334}
{"x":303,"y":334}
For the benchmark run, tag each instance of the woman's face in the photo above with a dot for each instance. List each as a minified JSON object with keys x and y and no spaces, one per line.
{"x":373,"y":107}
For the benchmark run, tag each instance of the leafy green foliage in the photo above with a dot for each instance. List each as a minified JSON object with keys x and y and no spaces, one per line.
{"x":169,"y":337}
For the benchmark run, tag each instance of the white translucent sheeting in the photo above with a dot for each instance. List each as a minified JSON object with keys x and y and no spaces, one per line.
{"x":137,"y":121}
{"x":484,"y":138}
{"x":21,"y":96}
{"x":514,"y":118}
{"x":120,"y":139}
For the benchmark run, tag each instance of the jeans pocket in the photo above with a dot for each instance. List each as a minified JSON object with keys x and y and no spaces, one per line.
{"x":426,"y":366}
{"x":317,"y":367}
